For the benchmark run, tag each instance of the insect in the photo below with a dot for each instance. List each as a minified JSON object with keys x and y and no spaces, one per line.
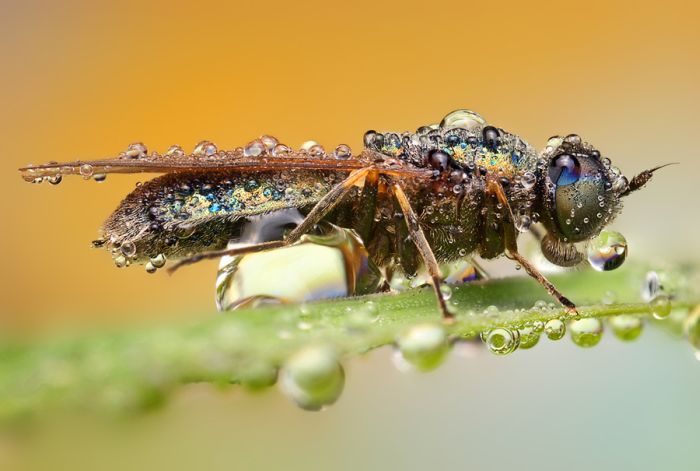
{"x":449,"y":191}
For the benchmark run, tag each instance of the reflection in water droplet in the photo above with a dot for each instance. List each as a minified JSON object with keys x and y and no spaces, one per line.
{"x":269,"y":142}
{"x":529,"y":337}
{"x":586,"y":332}
{"x":175,"y":151}
{"x":313,"y":377}
{"x":342,"y":152}
{"x":128,"y":249}
{"x":280,"y":150}
{"x":607,"y":251}
{"x":660,"y":306}
{"x":626,"y":327}
{"x":158,"y":261}
{"x":150,"y":268}
{"x":307,"y":145}
{"x":554,"y":329}
{"x":501,"y":341}
{"x":465,"y":119}
{"x":333,"y":264}
{"x":424,"y":346}
{"x":86,"y":170}
{"x":651,"y":287}
{"x":100,"y":177}
{"x":528,"y":180}
{"x":445,"y":291}
{"x":317,"y":151}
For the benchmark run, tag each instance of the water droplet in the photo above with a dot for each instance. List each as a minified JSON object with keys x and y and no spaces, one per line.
{"x":424,"y":346}
{"x":652,"y":286}
{"x":524,"y":223}
{"x":313,"y":377}
{"x":120,"y":261}
{"x":270,"y":142}
{"x":254,"y":148}
{"x":529,"y":337}
{"x":317,"y":151}
{"x":307,"y":145}
{"x":501,"y":341}
{"x":343,"y":152}
{"x":660,"y":306}
{"x":554,"y":329}
{"x":607,"y":251}
{"x":99,"y":177}
{"x":55,"y":179}
{"x":205,"y":149}
{"x":445,"y":291}
{"x":175,"y":152}
{"x":150,"y":268}
{"x":465,"y":119}
{"x":528,"y":180}
{"x":86,"y":170}
{"x":158,"y":261}
{"x":626,"y":327}
{"x":586,"y":332}
{"x":609,"y":298}
{"x":620,"y":185}
{"x":136,"y":150}
{"x":280,"y":150}
{"x":128,"y":249}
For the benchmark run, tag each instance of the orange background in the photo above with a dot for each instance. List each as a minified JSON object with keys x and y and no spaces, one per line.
{"x":83,"y":80}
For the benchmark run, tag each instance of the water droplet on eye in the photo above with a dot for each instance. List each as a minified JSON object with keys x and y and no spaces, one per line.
{"x":270,"y":142}
{"x":555,"y":329}
{"x":205,"y":149}
{"x":607,"y":251}
{"x":128,"y":249}
{"x":529,"y":337}
{"x":465,"y":119}
{"x":343,"y":152}
{"x":424,"y":346}
{"x":586,"y":332}
{"x":626,"y":327}
{"x":175,"y":152}
{"x":86,"y":170}
{"x":313,"y":377}
{"x":501,"y":341}
{"x":660,"y":306}
{"x":136,"y":150}
{"x":254,"y":148}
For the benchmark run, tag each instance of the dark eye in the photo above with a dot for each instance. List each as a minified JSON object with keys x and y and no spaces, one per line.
{"x":564,"y":170}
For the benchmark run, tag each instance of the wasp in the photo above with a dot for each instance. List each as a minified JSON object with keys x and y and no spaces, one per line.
{"x":461,"y":188}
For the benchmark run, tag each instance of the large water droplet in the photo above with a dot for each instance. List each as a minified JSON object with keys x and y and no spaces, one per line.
{"x":626,"y":327}
{"x":465,"y":119}
{"x":254,"y":149}
{"x":313,"y":377}
{"x":86,"y":170}
{"x":586,"y":332}
{"x":660,"y":306}
{"x":501,"y":341}
{"x":555,"y":329}
{"x":424,"y":346}
{"x":269,"y":142}
{"x":280,"y":150}
{"x":128,"y":249}
{"x":607,"y":251}
{"x":342,"y":152}
{"x":175,"y":152}
{"x":529,"y":337}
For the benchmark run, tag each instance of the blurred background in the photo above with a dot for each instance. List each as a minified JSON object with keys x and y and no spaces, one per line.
{"x":84,"y":79}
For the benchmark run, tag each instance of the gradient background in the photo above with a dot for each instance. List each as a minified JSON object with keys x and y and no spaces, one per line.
{"x":84,"y":79}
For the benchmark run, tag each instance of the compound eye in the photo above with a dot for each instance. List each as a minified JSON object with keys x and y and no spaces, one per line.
{"x":438,"y":160}
{"x":564,"y":170}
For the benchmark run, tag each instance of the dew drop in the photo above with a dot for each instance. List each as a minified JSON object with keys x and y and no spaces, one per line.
{"x":607,"y":251}
{"x":445,"y":291}
{"x":465,"y":119}
{"x":660,"y":306}
{"x":307,"y":145}
{"x":501,"y":341}
{"x":528,"y":180}
{"x":175,"y":152}
{"x":626,"y":327}
{"x":555,"y":329}
{"x":652,"y":286}
{"x":120,"y":261}
{"x":128,"y":249}
{"x":529,"y":337}
{"x":55,"y":179}
{"x":270,"y":142}
{"x":524,"y":223}
{"x":317,"y":151}
{"x":424,"y":346}
{"x":86,"y":170}
{"x":280,"y":150}
{"x":342,"y":152}
{"x":158,"y":261}
{"x":586,"y":332}
{"x":313,"y":377}
{"x":136,"y":150}
{"x":150,"y":268}
{"x":205,"y":149}
{"x":254,"y":148}
{"x":100,"y":177}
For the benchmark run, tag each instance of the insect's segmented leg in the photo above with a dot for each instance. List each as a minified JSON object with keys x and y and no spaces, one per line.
{"x":418,"y":237}
{"x":319,"y":211}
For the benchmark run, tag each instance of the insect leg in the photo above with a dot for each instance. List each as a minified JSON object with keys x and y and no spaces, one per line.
{"x":426,"y":253}
{"x":513,"y":254}
{"x":319,"y":211}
